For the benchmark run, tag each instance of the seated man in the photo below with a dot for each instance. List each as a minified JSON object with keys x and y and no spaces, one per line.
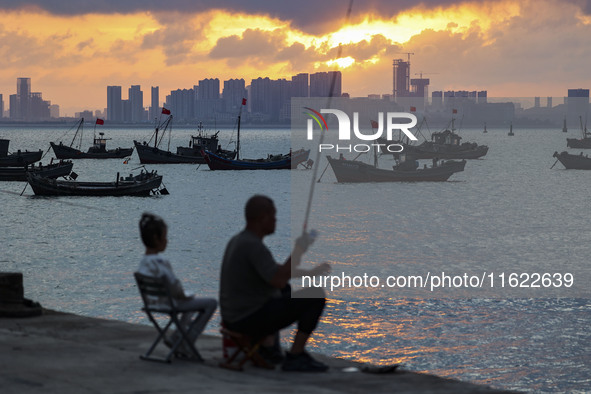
{"x":154,"y":231}
{"x":251,"y":297}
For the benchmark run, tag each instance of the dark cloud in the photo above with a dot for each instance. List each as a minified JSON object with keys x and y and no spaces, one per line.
{"x":253,"y":42}
{"x":312,"y":16}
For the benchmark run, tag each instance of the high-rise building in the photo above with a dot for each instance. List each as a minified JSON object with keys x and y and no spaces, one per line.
{"x":54,"y":111}
{"x":181,"y":103}
{"x":1,"y":106}
{"x":233,"y":93}
{"x":420,"y":87}
{"x":209,"y":89}
{"x":38,"y":108}
{"x":23,"y":98}
{"x":208,"y":103}
{"x":299,"y":85}
{"x":261,"y":96}
{"x":136,"y":103}
{"x":114,"y":104}
{"x":577,"y":105}
{"x":323,"y":84}
{"x":401,"y":78}
{"x":26,"y":105}
{"x":154,"y":103}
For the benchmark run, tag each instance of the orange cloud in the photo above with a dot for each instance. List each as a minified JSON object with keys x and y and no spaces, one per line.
{"x":486,"y":45}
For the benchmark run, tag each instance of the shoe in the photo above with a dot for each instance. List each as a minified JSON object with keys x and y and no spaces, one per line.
{"x":271,"y":354}
{"x":302,"y":362}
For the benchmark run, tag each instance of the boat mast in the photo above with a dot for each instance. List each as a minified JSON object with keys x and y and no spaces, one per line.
{"x":79,"y":129}
{"x":238,"y":132}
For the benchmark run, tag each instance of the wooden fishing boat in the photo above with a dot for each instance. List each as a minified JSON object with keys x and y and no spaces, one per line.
{"x":444,"y":144}
{"x":580,"y":143}
{"x":98,"y":150}
{"x":573,"y":162}
{"x":52,"y":170}
{"x":143,"y":184}
{"x":18,"y":158}
{"x":272,"y":162}
{"x":152,"y":154}
{"x":353,"y":171}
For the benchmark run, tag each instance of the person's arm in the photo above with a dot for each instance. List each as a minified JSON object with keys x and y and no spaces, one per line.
{"x":283,"y":273}
{"x":176,"y":287}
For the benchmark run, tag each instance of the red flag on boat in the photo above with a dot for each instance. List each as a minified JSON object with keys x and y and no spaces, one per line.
{"x":413,"y":109}
{"x":454,"y":111}
{"x":243,"y":101}
{"x":165,"y":111}
{"x":99,"y":121}
{"x":374,"y":124}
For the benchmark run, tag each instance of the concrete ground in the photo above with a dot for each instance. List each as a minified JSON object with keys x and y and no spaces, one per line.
{"x":65,"y":353}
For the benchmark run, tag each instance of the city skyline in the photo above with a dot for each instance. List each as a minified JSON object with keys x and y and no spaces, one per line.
{"x":509,"y":48}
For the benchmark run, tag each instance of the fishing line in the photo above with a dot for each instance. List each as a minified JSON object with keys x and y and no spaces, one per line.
{"x":315,"y":170}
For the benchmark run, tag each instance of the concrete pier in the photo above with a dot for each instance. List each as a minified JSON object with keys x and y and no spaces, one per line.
{"x":65,"y":353}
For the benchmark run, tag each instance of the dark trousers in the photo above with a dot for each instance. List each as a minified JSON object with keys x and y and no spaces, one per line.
{"x":279,"y":313}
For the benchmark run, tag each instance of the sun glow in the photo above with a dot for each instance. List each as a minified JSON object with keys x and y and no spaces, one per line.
{"x":342,"y":62}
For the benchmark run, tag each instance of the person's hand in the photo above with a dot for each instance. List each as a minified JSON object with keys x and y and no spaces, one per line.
{"x":305,"y":240}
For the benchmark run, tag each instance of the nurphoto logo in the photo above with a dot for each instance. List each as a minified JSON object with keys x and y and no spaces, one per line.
{"x":391,"y":120}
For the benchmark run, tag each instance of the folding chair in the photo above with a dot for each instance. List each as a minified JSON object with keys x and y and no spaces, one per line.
{"x":158,"y":287}
{"x":244,"y":345}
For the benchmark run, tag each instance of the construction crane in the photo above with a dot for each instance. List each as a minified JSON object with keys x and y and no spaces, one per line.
{"x":406,"y":53}
{"x":420,"y":74}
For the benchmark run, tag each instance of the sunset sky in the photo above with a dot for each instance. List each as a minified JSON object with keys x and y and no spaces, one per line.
{"x":73,"y":49}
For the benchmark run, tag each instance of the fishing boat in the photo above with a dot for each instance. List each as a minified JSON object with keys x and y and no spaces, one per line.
{"x":444,"y":144}
{"x":271,"y":162}
{"x":153,"y":154}
{"x":353,"y":171}
{"x":143,"y":184}
{"x":511,"y":133}
{"x":580,"y":143}
{"x":573,"y":162}
{"x":18,"y":158}
{"x":52,"y":170}
{"x":98,"y":150}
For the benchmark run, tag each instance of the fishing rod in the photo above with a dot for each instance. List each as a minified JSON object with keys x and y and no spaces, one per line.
{"x":315,"y":170}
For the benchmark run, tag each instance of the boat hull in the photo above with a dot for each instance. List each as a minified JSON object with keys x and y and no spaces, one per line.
{"x":66,"y":152}
{"x":584,"y":143}
{"x":281,"y":162}
{"x":573,"y":162}
{"x":141,"y":185}
{"x":49,"y":171}
{"x":151,"y":155}
{"x":437,"y":151}
{"x":20,"y":159}
{"x":350,"y":171}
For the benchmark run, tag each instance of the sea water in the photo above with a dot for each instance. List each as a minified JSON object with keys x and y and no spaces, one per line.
{"x":508,"y":210}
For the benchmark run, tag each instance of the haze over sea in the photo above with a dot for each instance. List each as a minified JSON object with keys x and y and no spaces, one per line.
{"x":508,"y":210}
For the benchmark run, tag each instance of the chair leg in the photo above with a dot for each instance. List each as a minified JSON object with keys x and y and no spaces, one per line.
{"x":186,"y":339}
{"x":245,"y":346}
{"x":161,"y":332}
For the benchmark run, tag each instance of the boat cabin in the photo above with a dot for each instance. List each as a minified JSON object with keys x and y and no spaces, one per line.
{"x":99,"y":144}
{"x":446,"y":137}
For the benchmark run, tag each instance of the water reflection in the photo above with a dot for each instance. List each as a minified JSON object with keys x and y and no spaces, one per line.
{"x":483,"y":341}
